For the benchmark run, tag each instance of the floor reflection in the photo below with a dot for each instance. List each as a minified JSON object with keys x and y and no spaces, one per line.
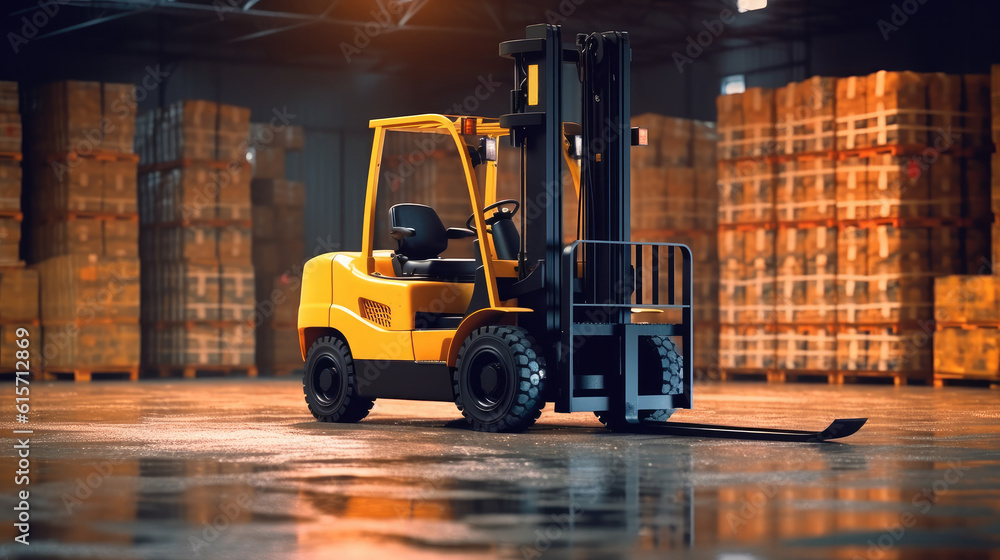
{"x":163,"y":482}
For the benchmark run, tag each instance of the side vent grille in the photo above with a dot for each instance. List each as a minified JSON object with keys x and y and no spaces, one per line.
{"x":376,"y":312}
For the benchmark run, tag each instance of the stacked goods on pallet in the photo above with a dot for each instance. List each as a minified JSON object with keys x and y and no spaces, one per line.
{"x":18,"y":285}
{"x":195,"y":207}
{"x":278,"y":232}
{"x":967,"y":339}
{"x":10,"y":176}
{"x":82,"y":233}
{"x":995,"y":183}
{"x":674,"y":199}
{"x":880,"y":188}
{"x":18,"y":309}
{"x":967,"y":308}
{"x":746,"y":124}
{"x":746,"y":233}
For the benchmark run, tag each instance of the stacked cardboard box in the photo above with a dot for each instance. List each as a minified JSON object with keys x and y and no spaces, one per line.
{"x":82,"y":226}
{"x":967,"y":341}
{"x":995,"y":183}
{"x":804,"y":116}
{"x":746,"y":124}
{"x":18,"y":309}
{"x":195,"y":208}
{"x":747,"y":260}
{"x":278,"y":246}
{"x":674,"y":199}
{"x":278,"y":210}
{"x":10,"y":176}
{"x":10,"y":119}
{"x":967,"y":308}
{"x":867,"y":213}
{"x":18,"y":285}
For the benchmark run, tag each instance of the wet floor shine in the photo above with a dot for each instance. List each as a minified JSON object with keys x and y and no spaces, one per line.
{"x":238,"y":469}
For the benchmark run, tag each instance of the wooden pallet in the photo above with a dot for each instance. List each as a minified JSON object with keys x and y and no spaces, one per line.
{"x":874,"y":151}
{"x":8,"y":374}
{"x":99,"y":155}
{"x":87,"y":374}
{"x":744,"y":374}
{"x":832,"y":377}
{"x":203,"y":222}
{"x":283,"y":371}
{"x":802,"y":376}
{"x":897,"y":378}
{"x":195,"y":371}
{"x":86,"y":215}
{"x":946,"y":380}
{"x":189,"y":162}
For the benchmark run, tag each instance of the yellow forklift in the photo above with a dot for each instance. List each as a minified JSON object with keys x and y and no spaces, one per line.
{"x":529,"y":319}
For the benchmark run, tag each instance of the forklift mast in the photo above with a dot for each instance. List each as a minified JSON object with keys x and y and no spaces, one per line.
{"x":596,"y":273}
{"x":535,"y":124}
{"x":603,"y":61}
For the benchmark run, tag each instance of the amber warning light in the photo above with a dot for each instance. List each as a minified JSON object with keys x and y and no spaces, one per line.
{"x":469,"y":126}
{"x":640,"y":137}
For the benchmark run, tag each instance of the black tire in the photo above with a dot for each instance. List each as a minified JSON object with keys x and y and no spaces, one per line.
{"x":330,"y":385}
{"x":499,"y":380}
{"x":654,"y":352}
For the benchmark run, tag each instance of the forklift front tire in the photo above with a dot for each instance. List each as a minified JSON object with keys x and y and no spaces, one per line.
{"x":330,"y":385}
{"x":499,"y":379}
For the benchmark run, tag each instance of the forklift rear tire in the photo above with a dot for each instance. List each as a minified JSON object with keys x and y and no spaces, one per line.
{"x":499,"y":379}
{"x":654,"y":352}
{"x":330,"y":385}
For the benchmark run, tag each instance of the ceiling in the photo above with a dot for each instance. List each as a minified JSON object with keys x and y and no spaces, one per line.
{"x":398,"y":35}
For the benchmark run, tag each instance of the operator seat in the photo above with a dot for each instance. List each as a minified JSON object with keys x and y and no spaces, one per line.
{"x":421,"y":239}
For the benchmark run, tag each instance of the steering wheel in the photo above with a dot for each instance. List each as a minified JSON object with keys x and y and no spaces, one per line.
{"x":504,"y":214}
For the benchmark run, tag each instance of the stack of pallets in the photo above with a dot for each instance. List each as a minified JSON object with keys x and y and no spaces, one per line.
{"x":18,"y":285}
{"x":82,"y":227}
{"x":279,"y":251}
{"x":879,"y":186}
{"x":747,"y":232}
{"x":674,"y":199}
{"x":198,"y":288}
{"x":967,"y":308}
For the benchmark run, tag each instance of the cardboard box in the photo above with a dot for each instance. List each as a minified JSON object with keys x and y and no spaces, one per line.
{"x":10,"y":186}
{"x":10,"y":242}
{"x":71,"y":346}
{"x":87,"y":287}
{"x":18,"y":294}
{"x":852,"y":113}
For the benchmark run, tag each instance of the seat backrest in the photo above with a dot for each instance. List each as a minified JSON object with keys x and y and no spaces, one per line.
{"x":430,"y":238}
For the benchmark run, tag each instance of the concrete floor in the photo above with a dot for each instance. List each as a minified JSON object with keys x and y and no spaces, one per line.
{"x":237,"y":469}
